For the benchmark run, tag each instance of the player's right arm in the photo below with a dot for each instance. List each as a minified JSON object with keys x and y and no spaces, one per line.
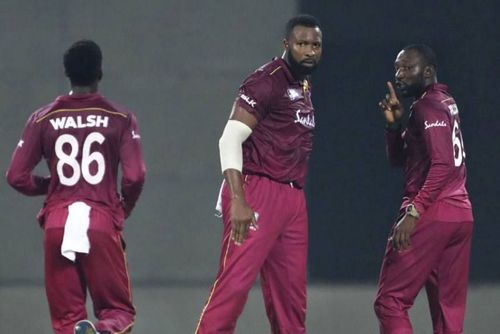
{"x":26,"y":156}
{"x":393,"y":111}
{"x":237,"y":130}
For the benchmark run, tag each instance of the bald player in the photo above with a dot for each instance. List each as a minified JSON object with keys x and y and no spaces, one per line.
{"x":84,"y":138}
{"x":429,"y":245}
{"x":264,"y":151}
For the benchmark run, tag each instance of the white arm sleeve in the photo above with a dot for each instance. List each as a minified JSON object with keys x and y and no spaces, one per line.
{"x":231,"y":152}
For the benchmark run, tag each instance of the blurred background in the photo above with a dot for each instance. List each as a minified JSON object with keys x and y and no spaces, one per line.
{"x":178,"y":65}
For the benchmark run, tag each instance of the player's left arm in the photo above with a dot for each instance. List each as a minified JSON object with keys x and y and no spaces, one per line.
{"x":26,"y":156}
{"x":133,"y":166}
{"x":435,"y":123}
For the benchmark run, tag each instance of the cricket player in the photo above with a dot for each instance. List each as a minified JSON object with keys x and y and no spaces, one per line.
{"x":84,"y":138}
{"x":264,"y":152}
{"x":429,"y":245}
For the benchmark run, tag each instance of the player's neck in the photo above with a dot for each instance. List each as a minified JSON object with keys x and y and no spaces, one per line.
{"x":84,"y":89}
{"x":75,"y":90}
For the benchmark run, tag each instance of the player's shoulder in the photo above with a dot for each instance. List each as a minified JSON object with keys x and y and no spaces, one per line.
{"x":78,"y":105}
{"x":269,"y":73}
{"x":42,"y":112}
{"x":272,"y":69}
{"x":102,"y":104}
{"x":435,"y":99}
{"x":116,"y":109}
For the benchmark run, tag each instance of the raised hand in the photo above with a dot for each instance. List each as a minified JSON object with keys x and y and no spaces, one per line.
{"x":391,"y":107}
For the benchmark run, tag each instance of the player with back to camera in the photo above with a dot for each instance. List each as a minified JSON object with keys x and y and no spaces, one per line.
{"x":429,"y":245}
{"x":84,"y":138}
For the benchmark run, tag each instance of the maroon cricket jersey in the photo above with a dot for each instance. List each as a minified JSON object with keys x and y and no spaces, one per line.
{"x":83,"y":138}
{"x":280,"y":145}
{"x":432,"y":150}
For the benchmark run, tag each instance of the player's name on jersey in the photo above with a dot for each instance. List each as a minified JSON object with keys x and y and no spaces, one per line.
{"x":89,"y":121}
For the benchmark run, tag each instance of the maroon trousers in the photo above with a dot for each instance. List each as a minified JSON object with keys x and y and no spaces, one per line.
{"x":277,"y":250}
{"x":437,"y":259}
{"x":103,"y":272}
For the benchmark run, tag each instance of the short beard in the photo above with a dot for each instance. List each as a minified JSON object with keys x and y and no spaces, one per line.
{"x":414,"y":90}
{"x":297,"y":68}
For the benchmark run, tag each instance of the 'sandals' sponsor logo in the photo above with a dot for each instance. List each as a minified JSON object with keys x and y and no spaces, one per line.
{"x":306,"y":120}
{"x":438,"y":124}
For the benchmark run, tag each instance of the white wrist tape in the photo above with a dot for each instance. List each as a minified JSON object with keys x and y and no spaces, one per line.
{"x":231,"y":152}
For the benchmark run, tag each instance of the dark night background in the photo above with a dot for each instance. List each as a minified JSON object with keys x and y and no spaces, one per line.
{"x":353,"y":192}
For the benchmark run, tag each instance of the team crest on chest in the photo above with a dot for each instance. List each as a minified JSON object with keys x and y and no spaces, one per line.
{"x":294,"y":94}
{"x":453,"y":109}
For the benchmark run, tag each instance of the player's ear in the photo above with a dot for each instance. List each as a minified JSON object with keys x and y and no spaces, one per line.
{"x":429,"y":71}
{"x":286,"y":44}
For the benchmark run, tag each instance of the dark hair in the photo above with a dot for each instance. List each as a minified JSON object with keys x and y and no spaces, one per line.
{"x":427,"y":54}
{"x":82,"y":63}
{"x":301,"y":20}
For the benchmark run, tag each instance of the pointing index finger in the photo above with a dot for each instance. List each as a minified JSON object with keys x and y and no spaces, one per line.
{"x":392,"y":92}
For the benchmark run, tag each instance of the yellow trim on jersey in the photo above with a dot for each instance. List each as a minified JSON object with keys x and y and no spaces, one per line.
{"x":81,"y":109}
{"x":277,"y":68}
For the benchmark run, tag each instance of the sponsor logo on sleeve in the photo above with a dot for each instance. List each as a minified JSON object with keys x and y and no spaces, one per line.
{"x":135,"y":135}
{"x":248,"y":100}
{"x":306,"y":120}
{"x":436,"y":124}
{"x":453,"y":109}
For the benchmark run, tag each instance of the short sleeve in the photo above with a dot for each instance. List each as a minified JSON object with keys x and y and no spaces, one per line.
{"x":255,"y":95}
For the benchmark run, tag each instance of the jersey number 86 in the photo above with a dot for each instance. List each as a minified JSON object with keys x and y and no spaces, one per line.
{"x":83,"y":169}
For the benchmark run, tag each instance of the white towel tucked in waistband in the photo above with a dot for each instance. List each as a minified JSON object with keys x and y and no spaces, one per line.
{"x":218,"y":204}
{"x":75,"y":238}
